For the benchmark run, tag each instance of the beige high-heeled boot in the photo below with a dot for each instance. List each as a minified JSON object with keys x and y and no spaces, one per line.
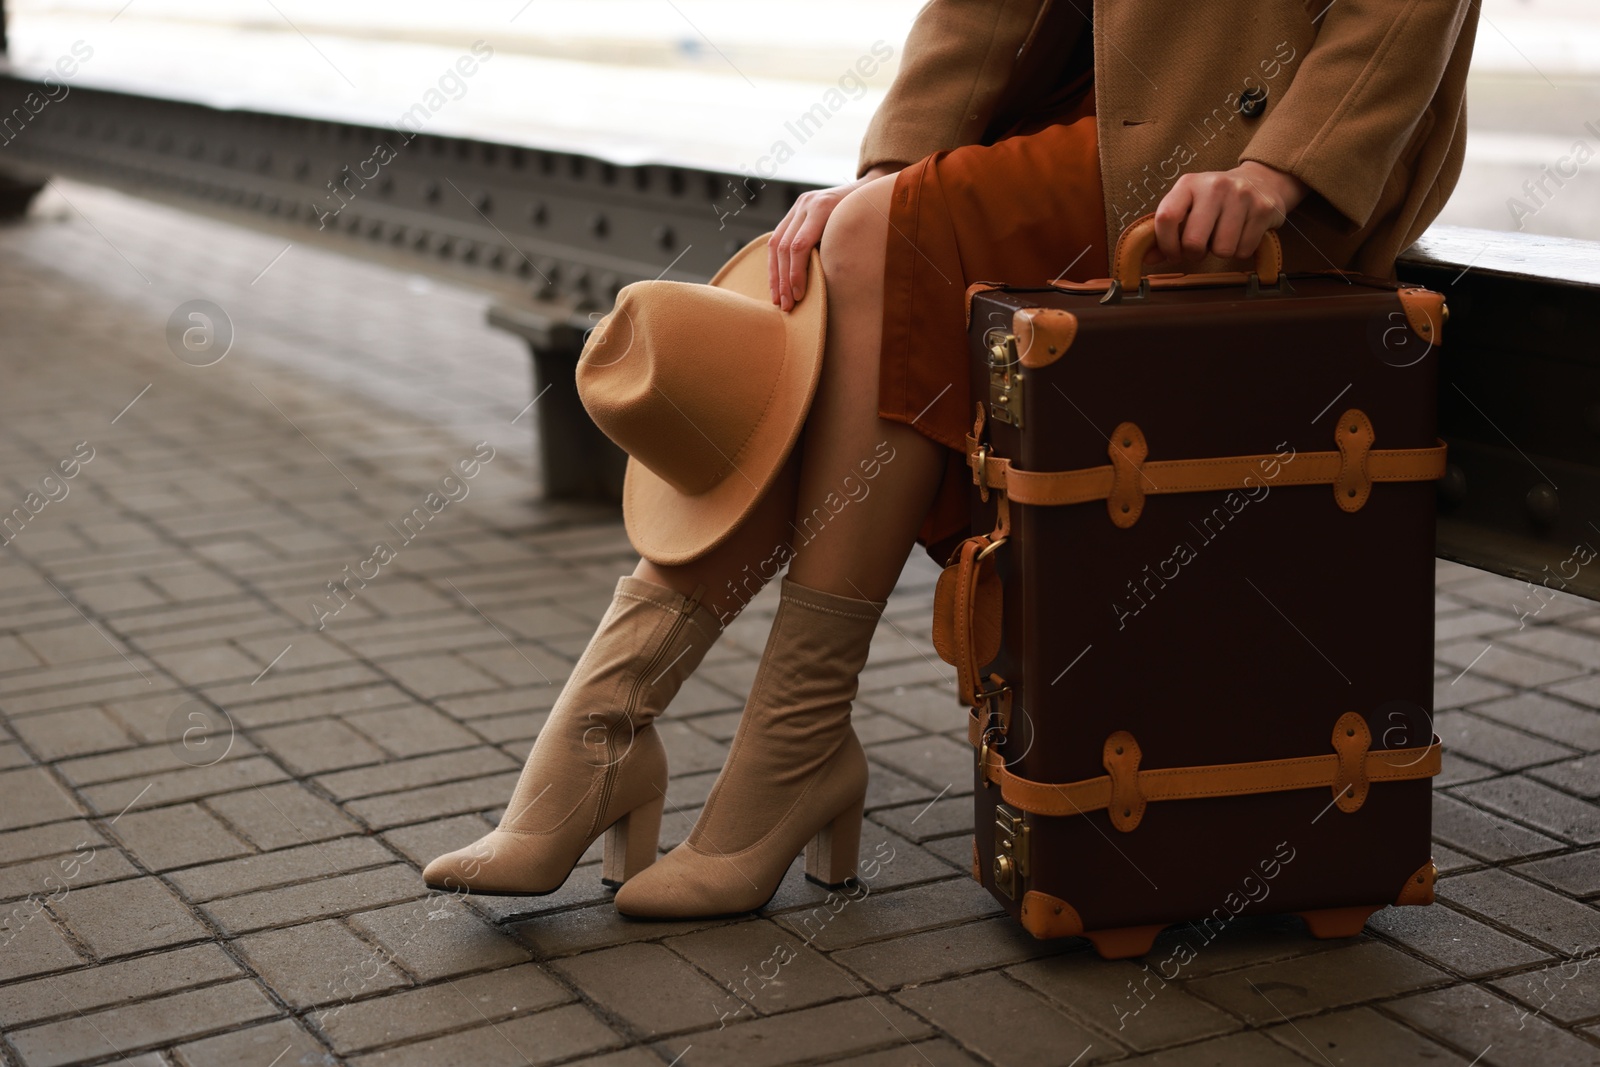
{"x":796,"y":772}
{"x":598,"y":765}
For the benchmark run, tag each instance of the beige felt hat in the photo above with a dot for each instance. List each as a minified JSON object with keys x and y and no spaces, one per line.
{"x":706,"y":388}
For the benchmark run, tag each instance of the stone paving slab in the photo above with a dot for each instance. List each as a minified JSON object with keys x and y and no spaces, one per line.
{"x":213,"y":810}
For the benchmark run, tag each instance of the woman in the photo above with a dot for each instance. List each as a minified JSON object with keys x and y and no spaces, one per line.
{"x":1018,"y":139}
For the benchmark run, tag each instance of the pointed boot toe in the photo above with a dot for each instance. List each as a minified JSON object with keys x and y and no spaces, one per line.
{"x":650,"y":893}
{"x":681,"y":885}
{"x":498,"y":863}
{"x":454,"y":871}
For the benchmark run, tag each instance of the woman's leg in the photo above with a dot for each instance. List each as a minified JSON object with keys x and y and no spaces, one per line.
{"x":860,"y":550}
{"x":796,"y":772}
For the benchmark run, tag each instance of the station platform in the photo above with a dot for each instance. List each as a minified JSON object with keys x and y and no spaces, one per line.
{"x":186,"y":887}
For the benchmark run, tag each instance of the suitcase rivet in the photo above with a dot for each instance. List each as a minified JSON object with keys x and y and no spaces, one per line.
{"x":1354,"y":428}
{"x":1124,"y":509}
{"x":1127,"y":812}
{"x":1052,"y":350}
{"x":1126,"y":443}
{"x":1058,"y":906}
{"x":1119,"y":750}
{"x":1350,"y":733}
{"x":1349,"y":492}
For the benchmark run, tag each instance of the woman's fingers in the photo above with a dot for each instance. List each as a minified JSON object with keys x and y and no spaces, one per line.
{"x":1200,"y":224}
{"x":795,"y":258}
{"x":1170,"y":216}
{"x":1234,"y":209}
{"x":772,"y":252}
{"x":785,"y":294}
{"x":1255,"y":230}
{"x":1225,"y":213}
{"x":789,"y":248}
{"x":772,"y":256}
{"x":785,"y":260}
{"x":1265,"y":214}
{"x":809,"y":236}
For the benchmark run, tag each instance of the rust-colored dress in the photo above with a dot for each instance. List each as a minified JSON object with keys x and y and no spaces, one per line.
{"x":1024,"y":210}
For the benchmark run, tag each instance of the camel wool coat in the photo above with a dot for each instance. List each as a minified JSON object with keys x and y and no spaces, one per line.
{"x":1362,"y":100}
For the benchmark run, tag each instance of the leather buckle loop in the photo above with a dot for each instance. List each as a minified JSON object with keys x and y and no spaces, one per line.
{"x":1354,"y":437}
{"x":1127,"y":450}
{"x":991,"y":698}
{"x":995,"y":702}
{"x":1120,"y":758}
{"x":985,"y":746}
{"x":1351,"y":740}
{"x":989,"y":549}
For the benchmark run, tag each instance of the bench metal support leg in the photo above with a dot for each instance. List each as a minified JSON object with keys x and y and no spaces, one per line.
{"x":15,"y":195}
{"x":578,"y":461}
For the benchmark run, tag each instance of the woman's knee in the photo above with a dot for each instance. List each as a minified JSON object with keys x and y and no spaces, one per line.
{"x":853,"y":241}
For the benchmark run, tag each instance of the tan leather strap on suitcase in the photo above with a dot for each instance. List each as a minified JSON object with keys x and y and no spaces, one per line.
{"x":966,"y":612}
{"x":1347,"y":771}
{"x":1128,"y":478}
{"x":966,"y":607}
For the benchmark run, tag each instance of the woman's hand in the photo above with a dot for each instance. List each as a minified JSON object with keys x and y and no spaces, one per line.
{"x":1224,"y":213}
{"x":789,"y":250}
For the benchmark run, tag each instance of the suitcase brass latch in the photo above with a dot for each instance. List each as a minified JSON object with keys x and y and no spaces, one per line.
{"x":1005,"y":381}
{"x":1010,"y":850}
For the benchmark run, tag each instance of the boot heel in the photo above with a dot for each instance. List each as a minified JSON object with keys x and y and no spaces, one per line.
{"x":831,"y":856}
{"x":631,"y":843}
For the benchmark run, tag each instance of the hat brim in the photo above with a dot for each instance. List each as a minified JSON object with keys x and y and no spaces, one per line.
{"x":671,"y":528}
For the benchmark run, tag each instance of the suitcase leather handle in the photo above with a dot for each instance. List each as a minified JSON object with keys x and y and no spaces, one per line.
{"x":1127,"y":263}
{"x":966,"y":613}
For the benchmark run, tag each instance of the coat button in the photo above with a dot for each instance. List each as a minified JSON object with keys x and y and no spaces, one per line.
{"x":1252,"y":102}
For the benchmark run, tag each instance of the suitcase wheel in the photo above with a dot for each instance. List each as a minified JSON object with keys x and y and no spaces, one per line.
{"x":1327,"y":923}
{"x":1125,"y":941}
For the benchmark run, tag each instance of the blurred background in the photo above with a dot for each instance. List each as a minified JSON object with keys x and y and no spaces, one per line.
{"x":711,"y":83}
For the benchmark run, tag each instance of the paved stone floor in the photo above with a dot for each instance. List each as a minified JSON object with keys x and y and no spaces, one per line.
{"x":212,"y":813}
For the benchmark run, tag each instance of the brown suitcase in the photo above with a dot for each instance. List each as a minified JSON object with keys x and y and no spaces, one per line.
{"x":1198,"y":643}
